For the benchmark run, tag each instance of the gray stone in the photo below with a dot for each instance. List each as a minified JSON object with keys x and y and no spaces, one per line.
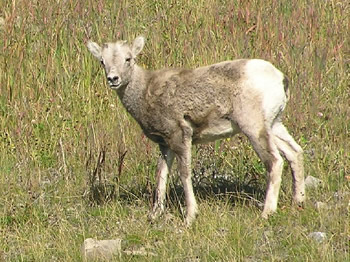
{"x":321,"y":206}
{"x":318,"y":236}
{"x":100,"y":250}
{"x":340,"y":196}
{"x":140,"y":252}
{"x":313,"y":182}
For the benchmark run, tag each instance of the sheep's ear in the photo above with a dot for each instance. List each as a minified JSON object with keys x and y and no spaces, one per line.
{"x":137,"y":46}
{"x":95,"y":49}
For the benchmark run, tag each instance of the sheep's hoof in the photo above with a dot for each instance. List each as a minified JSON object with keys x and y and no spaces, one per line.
{"x":299,"y":199}
{"x":190,"y":218}
{"x":264,"y":215}
{"x":189,"y":221}
{"x":267,"y":214}
{"x":155,"y":214}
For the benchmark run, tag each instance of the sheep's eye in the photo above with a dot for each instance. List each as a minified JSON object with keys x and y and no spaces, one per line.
{"x":128,"y":60}
{"x":102,"y":62}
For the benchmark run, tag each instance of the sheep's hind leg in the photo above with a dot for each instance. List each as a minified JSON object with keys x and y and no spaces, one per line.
{"x":294,"y":154}
{"x":264,"y":145}
{"x":165,"y":162}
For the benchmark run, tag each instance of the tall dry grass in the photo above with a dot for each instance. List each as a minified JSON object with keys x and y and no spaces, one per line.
{"x":57,"y":116}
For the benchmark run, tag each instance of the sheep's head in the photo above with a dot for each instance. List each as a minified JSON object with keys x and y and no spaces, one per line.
{"x":118,"y":60}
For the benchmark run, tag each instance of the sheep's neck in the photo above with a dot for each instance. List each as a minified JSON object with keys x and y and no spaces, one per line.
{"x":132,"y":95}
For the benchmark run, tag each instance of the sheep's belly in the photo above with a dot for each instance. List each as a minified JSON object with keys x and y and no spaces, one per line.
{"x":215,"y":130}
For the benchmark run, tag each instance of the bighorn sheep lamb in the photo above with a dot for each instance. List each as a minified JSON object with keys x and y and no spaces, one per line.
{"x":180,"y":107}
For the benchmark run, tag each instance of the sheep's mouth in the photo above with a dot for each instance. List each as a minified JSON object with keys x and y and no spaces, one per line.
{"x":115,"y":86}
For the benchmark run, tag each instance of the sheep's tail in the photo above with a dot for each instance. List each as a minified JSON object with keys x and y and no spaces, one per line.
{"x":286,"y":87}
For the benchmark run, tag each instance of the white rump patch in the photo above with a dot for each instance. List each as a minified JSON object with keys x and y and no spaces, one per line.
{"x":268,"y":81}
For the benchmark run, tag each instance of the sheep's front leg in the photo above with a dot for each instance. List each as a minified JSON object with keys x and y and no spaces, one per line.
{"x":184,"y":165}
{"x":165,"y":162}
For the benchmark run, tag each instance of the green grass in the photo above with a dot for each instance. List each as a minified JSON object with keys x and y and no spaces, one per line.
{"x":57,"y":117}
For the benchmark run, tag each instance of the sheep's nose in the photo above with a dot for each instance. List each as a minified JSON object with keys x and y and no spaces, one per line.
{"x":112,"y":79}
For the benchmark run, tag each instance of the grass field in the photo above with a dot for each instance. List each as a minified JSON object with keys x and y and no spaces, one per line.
{"x":74,"y":164}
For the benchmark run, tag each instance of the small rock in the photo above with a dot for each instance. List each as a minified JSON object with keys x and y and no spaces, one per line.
{"x":268,"y":235}
{"x":312,"y":182}
{"x":318,"y":236}
{"x":339,"y":196}
{"x":140,"y":252}
{"x":321,"y":206}
{"x":342,"y":198}
{"x":93,"y":249}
